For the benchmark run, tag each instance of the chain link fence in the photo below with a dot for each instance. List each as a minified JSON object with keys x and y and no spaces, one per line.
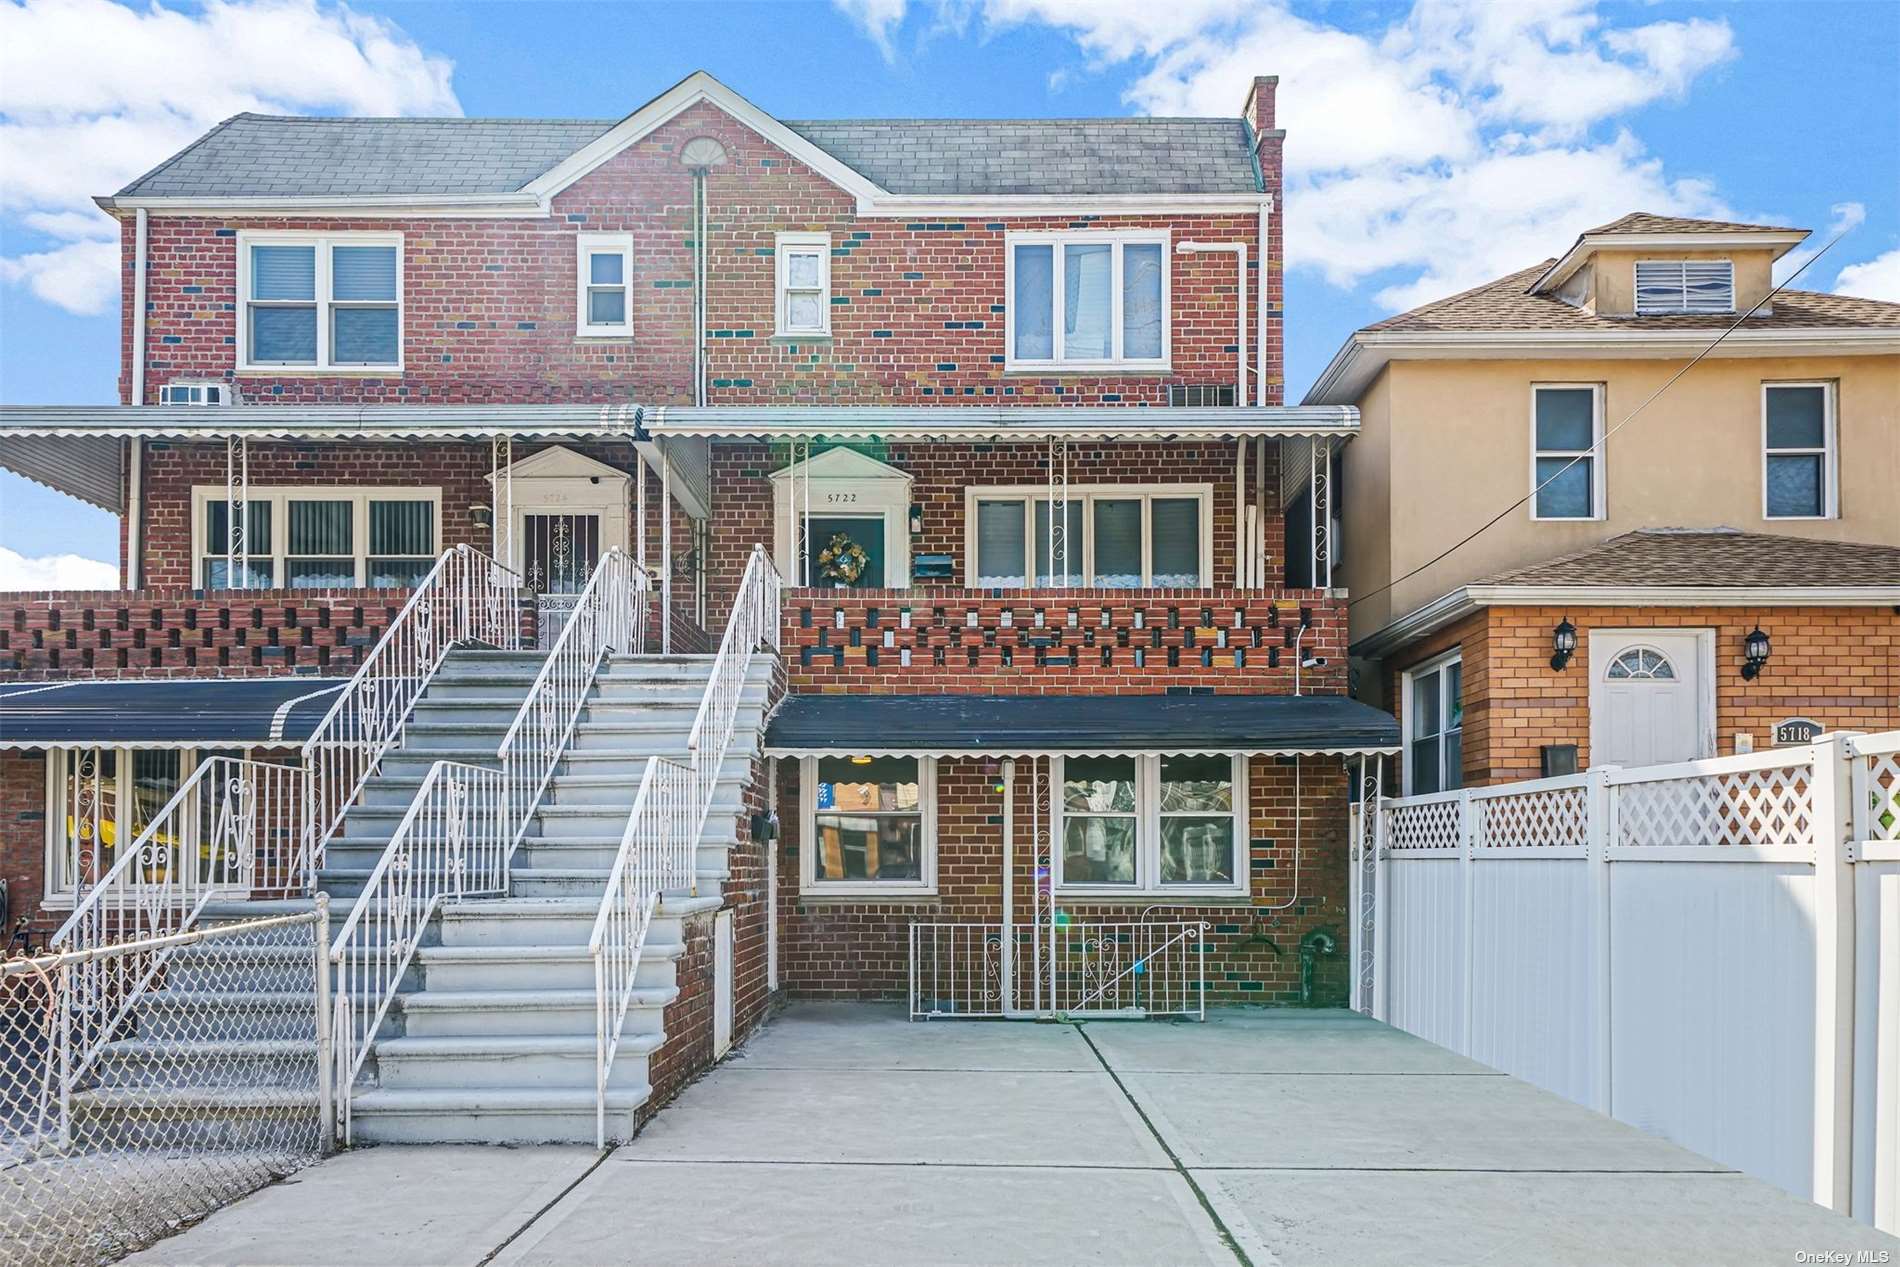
{"x":134,"y":1100}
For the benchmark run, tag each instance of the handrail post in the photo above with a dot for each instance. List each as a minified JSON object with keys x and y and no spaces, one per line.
{"x":326,"y":1036}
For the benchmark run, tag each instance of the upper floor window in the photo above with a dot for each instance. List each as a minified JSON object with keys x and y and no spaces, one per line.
{"x":1435,"y":727}
{"x":1665,"y":286}
{"x":1799,"y":461}
{"x":1112,"y":537}
{"x":317,"y":538}
{"x":1087,"y":300}
{"x":320,"y":301}
{"x":604,"y":285}
{"x":1566,"y":466}
{"x":803,"y":284}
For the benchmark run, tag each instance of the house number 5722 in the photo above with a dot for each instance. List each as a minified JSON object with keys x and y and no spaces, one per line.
{"x":838,"y":498}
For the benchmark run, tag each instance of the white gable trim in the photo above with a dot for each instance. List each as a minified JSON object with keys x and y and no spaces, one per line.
{"x":560,"y":462}
{"x":688,"y":92}
{"x":846,"y":464}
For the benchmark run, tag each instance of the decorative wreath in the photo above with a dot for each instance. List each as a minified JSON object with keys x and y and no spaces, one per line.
{"x":842,"y":560}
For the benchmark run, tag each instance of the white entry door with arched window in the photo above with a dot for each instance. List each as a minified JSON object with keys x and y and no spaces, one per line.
{"x":1652,"y":696}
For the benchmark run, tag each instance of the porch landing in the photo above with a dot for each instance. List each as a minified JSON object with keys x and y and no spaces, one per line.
{"x":846,"y":1134}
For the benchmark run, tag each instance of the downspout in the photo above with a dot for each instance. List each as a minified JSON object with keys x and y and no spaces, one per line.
{"x":1260,"y":353}
{"x":135,"y":477}
{"x":699,"y":286}
{"x":1009,"y":887}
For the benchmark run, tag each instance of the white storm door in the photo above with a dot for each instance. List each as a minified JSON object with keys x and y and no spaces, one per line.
{"x":1650,"y":697}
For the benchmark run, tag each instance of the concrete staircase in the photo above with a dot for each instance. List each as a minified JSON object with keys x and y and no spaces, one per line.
{"x":495,"y":1041}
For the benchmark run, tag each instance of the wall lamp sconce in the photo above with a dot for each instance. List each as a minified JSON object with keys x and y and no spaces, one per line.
{"x":483,"y":516}
{"x":916,"y":519}
{"x":1563,"y":645}
{"x":1755,"y":651}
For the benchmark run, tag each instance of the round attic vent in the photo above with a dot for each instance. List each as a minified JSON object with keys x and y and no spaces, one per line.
{"x":703,"y":152}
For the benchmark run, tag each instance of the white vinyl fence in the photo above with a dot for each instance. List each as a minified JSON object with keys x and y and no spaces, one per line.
{"x":1709,"y":951}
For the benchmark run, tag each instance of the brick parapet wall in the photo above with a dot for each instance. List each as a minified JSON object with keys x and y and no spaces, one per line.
{"x":489,"y":303}
{"x":1837,"y":665}
{"x":854,"y":948}
{"x":1093,"y":641}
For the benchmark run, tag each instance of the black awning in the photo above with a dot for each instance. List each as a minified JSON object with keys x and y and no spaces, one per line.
{"x":164,"y":713}
{"x":1013,"y":725}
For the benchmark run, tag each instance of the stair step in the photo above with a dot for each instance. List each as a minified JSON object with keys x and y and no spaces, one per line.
{"x":538,"y":1062}
{"x":490,"y":1116}
{"x":469,"y":1013}
{"x":555,"y":967}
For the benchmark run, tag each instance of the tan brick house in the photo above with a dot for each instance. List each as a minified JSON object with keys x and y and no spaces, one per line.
{"x":1539,"y":454}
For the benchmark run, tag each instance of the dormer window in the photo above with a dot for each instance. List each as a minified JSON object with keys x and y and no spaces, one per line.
{"x":1684,"y":286}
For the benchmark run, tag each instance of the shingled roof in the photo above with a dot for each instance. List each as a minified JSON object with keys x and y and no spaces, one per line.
{"x":1650,"y":222}
{"x":1715,"y":558}
{"x":261,"y":156}
{"x":1507,"y":304}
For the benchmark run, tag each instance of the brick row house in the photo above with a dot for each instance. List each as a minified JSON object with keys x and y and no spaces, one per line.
{"x":1696,"y":549}
{"x":999,"y":403}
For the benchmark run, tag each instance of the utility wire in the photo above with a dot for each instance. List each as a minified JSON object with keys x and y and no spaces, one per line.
{"x":1598,"y":445}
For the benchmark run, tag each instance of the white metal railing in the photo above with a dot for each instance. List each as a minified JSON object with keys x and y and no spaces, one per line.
{"x":609,"y":616}
{"x":1129,"y":968}
{"x":451,"y":844}
{"x":118,"y":1123}
{"x":961,"y":970}
{"x":658,"y":848}
{"x":231,"y":828}
{"x":1602,"y":933}
{"x":467,"y":597}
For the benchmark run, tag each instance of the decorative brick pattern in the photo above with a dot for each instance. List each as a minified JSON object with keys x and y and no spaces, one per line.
{"x":1062,"y":642}
{"x":1837,"y":665}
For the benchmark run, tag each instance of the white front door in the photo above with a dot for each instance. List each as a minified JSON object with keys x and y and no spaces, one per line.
{"x":1650,"y":696}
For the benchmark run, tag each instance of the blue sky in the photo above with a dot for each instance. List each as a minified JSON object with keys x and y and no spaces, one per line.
{"x":1431,"y":144}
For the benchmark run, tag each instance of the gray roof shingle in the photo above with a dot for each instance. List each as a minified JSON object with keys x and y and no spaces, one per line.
{"x":251,"y":155}
{"x":1715,"y":557}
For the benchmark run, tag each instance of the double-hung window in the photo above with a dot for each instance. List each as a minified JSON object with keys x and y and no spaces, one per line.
{"x":1799,"y":463}
{"x":1566,"y":461}
{"x":318,"y":538}
{"x":1087,"y":300}
{"x":1435,"y":727}
{"x":327,"y":301}
{"x":1109,"y":537}
{"x":1684,"y":286}
{"x":803,"y":286}
{"x":869,"y":826}
{"x":1152,"y":824}
{"x":604,"y":285}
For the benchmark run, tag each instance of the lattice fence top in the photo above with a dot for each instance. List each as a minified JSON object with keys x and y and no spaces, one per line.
{"x":1882,"y":790}
{"x":1548,"y":818}
{"x":1772,"y":807}
{"x":1429,"y":825}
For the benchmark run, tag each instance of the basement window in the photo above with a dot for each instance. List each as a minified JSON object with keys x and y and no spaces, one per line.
{"x":869,"y":826}
{"x":1151,"y":824}
{"x":1684,"y":286}
{"x":100,"y":800}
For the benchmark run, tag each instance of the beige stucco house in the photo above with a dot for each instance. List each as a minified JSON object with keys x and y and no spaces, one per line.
{"x":1650,"y":379}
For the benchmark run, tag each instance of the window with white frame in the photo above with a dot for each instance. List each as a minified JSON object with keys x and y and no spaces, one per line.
{"x":1435,"y":727}
{"x":604,"y":285}
{"x":1087,"y":300}
{"x":1152,"y":823}
{"x":1566,"y":465}
{"x":1111,"y":537}
{"x":869,"y":825}
{"x":196,"y":394}
{"x":1799,"y":462}
{"x":803,"y":267}
{"x":1684,"y":286}
{"x":99,"y":801}
{"x":319,"y":538}
{"x":320,"y":301}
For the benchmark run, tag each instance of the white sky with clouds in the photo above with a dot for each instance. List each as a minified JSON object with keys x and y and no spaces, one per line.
{"x":1448,"y":143}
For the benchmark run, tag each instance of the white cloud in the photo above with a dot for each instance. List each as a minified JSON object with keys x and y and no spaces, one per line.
{"x":1877,"y":278}
{"x":55,"y":572}
{"x":1463,"y":141}
{"x":879,"y":18}
{"x":92,"y":93}
{"x":1844,"y":218}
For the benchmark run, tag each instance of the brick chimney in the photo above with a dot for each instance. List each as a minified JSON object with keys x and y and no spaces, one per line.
{"x":1268,"y":141}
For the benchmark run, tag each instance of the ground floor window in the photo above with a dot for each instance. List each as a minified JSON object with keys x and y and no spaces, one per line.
{"x":869,"y":825}
{"x":99,"y":801}
{"x":1157,"y":823}
{"x":1109,"y":536}
{"x":317,"y":538}
{"x":1435,"y":727}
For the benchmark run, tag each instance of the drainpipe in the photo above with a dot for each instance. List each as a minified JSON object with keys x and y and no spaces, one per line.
{"x":135,"y":500}
{"x":1009,"y":885}
{"x":699,"y":286}
{"x":1260,"y":354}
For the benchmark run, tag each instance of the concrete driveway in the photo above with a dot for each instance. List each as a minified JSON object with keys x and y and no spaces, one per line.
{"x":845,"y":1134}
